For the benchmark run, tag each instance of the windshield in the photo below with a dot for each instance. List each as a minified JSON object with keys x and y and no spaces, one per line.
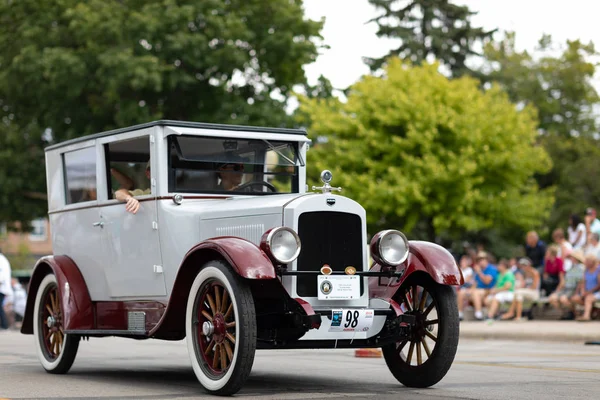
{"x":226,"y":165}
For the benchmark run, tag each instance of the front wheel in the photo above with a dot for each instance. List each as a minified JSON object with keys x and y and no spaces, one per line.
{"x":56,"y":350}
{"x":426,"y":356}
{"x":221,"y":329}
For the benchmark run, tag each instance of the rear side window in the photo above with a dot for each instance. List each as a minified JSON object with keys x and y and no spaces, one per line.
{"x":80,"y":175}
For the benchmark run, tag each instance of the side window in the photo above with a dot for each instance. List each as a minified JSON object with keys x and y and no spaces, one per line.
{"x":128,"y":166}
{"x":80,"y":175}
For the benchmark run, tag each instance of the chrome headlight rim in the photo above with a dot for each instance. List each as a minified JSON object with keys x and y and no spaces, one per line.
{"x":269,"y":244}
{"x":382,"y":235}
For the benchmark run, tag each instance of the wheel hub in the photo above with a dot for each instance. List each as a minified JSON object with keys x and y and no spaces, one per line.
{"x":51,"y":322}
{"x":219,"y":330}
{"x":208,"y":328}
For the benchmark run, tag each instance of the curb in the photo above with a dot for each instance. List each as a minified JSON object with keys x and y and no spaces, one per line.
{"x":527,"y":336}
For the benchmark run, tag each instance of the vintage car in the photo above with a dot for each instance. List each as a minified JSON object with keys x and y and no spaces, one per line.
{"x":209,"y":233}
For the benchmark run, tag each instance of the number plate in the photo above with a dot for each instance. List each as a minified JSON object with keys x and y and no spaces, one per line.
{"x":338,"y":287}
{"x":345,"y":320}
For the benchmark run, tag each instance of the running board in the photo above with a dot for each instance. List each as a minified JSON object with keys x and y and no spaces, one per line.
{"x":136,"y":326}
{"x":91,"y":332}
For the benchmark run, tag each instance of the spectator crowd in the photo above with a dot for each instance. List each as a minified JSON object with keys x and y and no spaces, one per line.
{"x":564,"y":274}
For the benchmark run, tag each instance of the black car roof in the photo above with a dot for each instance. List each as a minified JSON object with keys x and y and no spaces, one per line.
{"x":182,"y":124}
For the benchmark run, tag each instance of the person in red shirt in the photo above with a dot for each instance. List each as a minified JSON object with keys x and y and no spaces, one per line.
{"x":553,"y":279}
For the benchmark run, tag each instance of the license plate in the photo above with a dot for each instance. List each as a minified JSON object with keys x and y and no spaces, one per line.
{"x":351,"y":320}
{"x":338,"y":287}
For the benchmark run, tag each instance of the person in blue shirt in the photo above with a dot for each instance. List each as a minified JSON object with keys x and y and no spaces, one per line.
{"x":485,"y":275}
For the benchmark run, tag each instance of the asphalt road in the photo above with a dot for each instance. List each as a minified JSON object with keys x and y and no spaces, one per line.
{"x":128,"y":369}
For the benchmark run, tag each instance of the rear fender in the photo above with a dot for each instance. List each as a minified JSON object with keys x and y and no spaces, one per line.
{"x":76,"y":303}
{"x":246,"y":259}
{"x":424,"y":257}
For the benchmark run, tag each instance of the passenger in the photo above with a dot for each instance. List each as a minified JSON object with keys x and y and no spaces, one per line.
{"x":126,"y":194}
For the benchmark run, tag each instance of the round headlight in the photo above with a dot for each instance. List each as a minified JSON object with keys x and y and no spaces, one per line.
{"x":283,"y":244}
{"x":392,"y":246}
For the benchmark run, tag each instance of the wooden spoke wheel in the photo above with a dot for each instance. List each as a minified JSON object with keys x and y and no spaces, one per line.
{"x":424,"y":358}
{"x":221,"y":329}
{"x":216,"y":328}
{"x":56,"y":349}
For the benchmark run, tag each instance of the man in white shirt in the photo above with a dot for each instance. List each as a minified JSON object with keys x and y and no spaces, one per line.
{"x":5,"y":288}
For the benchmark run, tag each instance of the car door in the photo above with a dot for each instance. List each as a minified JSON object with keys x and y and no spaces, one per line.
{"x":77,"y":227}
{"x":135,"y":266}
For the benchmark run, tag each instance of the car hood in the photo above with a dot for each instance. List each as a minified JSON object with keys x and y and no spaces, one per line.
{"x":239,"y":206}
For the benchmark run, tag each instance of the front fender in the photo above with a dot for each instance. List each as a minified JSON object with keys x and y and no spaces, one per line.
{"x":247,"y":260}
{"x":424,"y":257}
{"x":77,"y":309}
{"x":436,"y":261}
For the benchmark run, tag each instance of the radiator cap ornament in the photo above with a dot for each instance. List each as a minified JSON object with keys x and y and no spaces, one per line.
{"x":326,"y":177}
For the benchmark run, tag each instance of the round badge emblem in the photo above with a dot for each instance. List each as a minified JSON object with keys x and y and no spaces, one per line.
{"x":350,"y":270}
{"x":326,"y":287}
{"x":326,"y":269}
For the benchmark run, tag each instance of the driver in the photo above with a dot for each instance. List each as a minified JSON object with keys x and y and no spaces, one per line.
{"x":231,"y":175}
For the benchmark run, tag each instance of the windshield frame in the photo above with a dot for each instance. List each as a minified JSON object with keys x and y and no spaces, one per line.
{"x":209,"y":166}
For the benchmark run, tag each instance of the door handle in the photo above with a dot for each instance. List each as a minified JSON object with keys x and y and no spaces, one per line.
{"x":100,"y":224}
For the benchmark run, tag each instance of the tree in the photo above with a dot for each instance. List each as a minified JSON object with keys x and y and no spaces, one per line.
{"x":70,"y":68}
{"x":431,"y":156}
{"x":426,"y":28}
{"x":560,"y":87}
{"x":558,"y":83}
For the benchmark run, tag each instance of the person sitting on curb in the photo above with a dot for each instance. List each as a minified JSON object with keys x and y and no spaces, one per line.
{"x":572,"y":279}
{"x":589,"y":288}
{"x":485,"y":278}
{"x":531,"y":290}
{"x":553,"y":278}
{"x":467,"y":271}
{"x":503,"y":292}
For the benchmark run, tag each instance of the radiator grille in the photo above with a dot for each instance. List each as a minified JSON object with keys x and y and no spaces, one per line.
{"x":328,"y":237}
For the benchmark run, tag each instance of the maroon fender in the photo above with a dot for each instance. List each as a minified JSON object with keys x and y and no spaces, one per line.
{"x":435,"y":260}
{"x":245,"y":258}
{"x":76,"y":304}
{"x":426,"y":257}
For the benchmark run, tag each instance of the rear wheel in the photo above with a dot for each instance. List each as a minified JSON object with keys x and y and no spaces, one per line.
{"x":56,"y":350}
{"x":425,"y":358}
{"x":221,"y":329}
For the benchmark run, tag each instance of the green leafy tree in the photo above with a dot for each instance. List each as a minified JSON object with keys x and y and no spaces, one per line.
{"x":558,"y":83}
{"x":70,"y":68}
{"x":427,"y":28}
{"x":431,"y":156}
{"x":559,"y":86}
